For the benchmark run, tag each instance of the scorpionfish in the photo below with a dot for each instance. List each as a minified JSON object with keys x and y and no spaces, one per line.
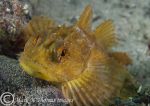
{"x":77,"y":58}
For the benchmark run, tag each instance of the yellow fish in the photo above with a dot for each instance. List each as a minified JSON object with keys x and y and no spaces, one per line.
{"x":78,"y":59}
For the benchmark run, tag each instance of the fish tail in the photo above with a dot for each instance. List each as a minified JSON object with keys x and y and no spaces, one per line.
{"x":121,"y":57}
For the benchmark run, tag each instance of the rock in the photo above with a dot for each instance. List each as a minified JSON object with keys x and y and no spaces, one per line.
{"x":27,"y":90}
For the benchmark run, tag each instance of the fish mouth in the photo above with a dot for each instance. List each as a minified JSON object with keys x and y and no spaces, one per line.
{"x":28,"y":66}
{"x":32,"y":68}
{"x":37,"y":70}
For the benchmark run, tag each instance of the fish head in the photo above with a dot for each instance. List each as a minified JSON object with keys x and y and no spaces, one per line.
{"x":58,"y":55}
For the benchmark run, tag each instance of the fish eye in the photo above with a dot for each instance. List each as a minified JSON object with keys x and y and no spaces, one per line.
{"x":57,"y":56}
{"x":63,"y":53}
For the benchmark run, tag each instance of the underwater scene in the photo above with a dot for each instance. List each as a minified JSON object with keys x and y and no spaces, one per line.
{"x":74,"y":53}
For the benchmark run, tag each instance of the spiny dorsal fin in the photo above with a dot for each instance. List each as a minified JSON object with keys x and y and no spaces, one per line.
{"x":121,"y":57}
{"x":105,"y":34}
{"x":85,"y":19}
{"x":38,"y":26}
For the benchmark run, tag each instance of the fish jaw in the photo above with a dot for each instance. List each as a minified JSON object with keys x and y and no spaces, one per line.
{"x":36,"y":70}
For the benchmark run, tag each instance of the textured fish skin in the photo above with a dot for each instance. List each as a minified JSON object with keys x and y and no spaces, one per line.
{"x":79,"y":59}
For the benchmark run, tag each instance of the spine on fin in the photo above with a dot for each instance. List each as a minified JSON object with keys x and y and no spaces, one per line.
{"x":38,"y":26}
{"x":105,"y":34}
{"x":85,"y":19}
{"x":98,"y":84}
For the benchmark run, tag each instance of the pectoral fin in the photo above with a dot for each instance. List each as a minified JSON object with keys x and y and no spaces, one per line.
{"x":95,"y":86}
{"x":87,"y":91}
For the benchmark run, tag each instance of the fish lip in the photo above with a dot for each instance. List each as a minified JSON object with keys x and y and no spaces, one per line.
{"x":26,"y":62}
{"x":30,"y":66}
{"x":31,"y":71}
